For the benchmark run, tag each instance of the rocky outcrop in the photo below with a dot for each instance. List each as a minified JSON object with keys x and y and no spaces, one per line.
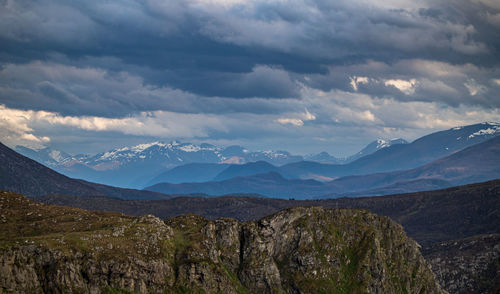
{"x":53,"y":249}
{"x":470,"y":265}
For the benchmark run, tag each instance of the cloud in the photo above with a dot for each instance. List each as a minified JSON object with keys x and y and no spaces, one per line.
{"x":213,"y":48}
{"x":407,"y":87}
{"x":73,"y":90}
{"x":257,"y":72}
{"x":298,"y":122}
{"x":355,"y":81}
{"x":263,"y":81}
{"x":293,"y":121}
{"x":33,"y":138}
{"x":474,"y":88}
{"x":20,"y":125}
{"x":347,"y":109}
{"x":14,"y":128}
{"x":307,"y":115}
{"x":414,"y":80}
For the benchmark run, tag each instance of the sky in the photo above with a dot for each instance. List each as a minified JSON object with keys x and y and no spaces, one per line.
{"x":298,"y":75}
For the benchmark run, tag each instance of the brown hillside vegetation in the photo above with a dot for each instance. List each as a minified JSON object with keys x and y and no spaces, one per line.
{"x":52,"y":249}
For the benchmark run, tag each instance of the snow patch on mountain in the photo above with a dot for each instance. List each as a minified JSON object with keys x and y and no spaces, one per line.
{"x":488,"y":131}
{"x":381,"y":143}
{"x":141,"y":147}
{"x":491,"y":128}
{"x":56,"y":155}
{"x":275,"y":154}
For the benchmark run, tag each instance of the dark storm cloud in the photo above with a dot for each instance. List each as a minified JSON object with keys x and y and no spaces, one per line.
{"x":73,"y":90}
{"x":428,"y":81}
{"x":111,"y":59}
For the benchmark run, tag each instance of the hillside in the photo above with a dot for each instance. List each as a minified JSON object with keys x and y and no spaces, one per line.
{"x":155,"y":162}
{"x":138,"y":165}
{"x":400,"y":156}
{"x":478,"y":261}
{"x":269,"y":184}
{"x":473,"y":164}
{"x":192,"y":172}
{"x":49,"y":249}
{"x":23,"y":175}
{"x":248,"y":169}
{"x":449,"y":223}
{"x":469,"y":210}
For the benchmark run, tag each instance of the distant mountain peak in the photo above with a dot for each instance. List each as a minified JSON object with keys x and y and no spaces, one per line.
{"x":141,"y":147}
{"x":325,"y":157}
{"x":384,"y":143}
{"x":381,"y":143}
{"x":376,"y":145}
{"x":131,"y":166}
{"x":46,"y":155}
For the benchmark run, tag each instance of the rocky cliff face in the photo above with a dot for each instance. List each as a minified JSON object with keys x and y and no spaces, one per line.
{"x":470,"y":265}
{"x":53,"y":249}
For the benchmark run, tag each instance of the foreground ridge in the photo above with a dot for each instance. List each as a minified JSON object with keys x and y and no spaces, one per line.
{"x":55,"y":249}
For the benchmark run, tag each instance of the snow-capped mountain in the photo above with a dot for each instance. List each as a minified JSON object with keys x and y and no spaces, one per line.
{"x":374,"y":146}
{"x":467,"y":135}
{"x":400,"y":156}
{"x":168,"y":154}
{"x":133,"y":165}
{"x":46,"y":156}
{"x":324,"y":157}
{"x":176,"y":153}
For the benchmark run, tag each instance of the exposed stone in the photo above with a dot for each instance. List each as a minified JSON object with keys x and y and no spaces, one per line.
{"x":298,"y":250}
{"x":470,"y":265}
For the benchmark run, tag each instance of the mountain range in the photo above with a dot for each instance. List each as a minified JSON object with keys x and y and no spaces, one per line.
{"x":23,"y":175}
{"x":42,"y":242}
{"x":379,"y":173}
{"x":449,"y":223}
{"x":373,"y":147}
{"x":379,"y":156}
{"x":473,"y":164}
{"x":135,"y":166}
{"x":155,"y":162}
{"x":398,"y":157}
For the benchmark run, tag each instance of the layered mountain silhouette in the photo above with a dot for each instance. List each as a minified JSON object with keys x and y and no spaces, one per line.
{"x":248,"y":169}
{"x":136,"y":166}
{"x":400,"y":156}
{"x":470,"y":210}
{"x":22,"y":175}
{"x":473,"y":164}
{"x":270,"y":184}
{"x":379,"y":156}
{"x":150,"y":163}
{"x":192,"y":172}
{"x":374,"y":147}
